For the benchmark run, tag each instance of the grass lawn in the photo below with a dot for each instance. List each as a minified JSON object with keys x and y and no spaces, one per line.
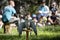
{"x":45,"y":33}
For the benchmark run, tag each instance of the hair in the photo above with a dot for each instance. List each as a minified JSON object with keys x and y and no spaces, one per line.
{"x":9,"y":1}
{"x":40,"y":1}
{"x":28,"y":14}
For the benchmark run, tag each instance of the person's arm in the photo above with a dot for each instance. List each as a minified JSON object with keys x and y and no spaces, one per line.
{"x":38,"y":10}
{"x":56,"y":10}
{"x":14,"y":12}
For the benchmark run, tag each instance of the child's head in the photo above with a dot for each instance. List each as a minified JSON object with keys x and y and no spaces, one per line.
{"x":28,"y":14}
{"x":54,"y":4}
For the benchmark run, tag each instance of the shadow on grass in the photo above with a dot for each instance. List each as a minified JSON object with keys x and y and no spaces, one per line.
{"x":11,"y":37}
{"x":41,"y":37}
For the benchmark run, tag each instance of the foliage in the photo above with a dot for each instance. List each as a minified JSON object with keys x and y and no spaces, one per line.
{"x":33,"y":8}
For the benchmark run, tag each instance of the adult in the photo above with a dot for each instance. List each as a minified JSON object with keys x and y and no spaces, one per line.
{"x":53,"y":7}
{"x":43,"y":9}
{"x":8,"y":12}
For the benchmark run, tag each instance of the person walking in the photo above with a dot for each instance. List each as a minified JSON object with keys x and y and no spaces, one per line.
{"x":8,"y":13}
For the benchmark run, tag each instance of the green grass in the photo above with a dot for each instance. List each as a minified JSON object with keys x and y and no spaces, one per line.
{"x":44,"y":33}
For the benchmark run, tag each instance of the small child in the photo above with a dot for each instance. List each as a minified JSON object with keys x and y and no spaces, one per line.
{"x":34,"y":19}
{"x":42,"y":21}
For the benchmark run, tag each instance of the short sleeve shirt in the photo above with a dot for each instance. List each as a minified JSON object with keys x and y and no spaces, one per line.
{"x":8,"y":12}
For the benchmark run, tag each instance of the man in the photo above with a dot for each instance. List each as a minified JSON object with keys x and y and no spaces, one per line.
{"x":8,"y":12}
{"x":43,"y":9}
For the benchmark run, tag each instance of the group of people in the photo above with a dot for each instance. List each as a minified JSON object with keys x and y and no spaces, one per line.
{"x":40,"y":18}
{"x":46,"y":15}
{"x":9,"y":16}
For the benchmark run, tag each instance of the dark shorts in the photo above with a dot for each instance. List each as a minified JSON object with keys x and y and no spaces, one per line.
{"x":5,"y":22}
{"x":53,"y":18}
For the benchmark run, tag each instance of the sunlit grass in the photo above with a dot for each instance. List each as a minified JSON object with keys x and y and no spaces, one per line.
{"x":44,"y":33}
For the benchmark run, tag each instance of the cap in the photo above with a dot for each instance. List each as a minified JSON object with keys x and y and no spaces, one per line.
{"x":41,"y":1}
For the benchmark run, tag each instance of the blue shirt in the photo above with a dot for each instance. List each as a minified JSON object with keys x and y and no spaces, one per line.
{"x":45,"y":11}
{"x":54,"y":10}
{"x":8,"y":12}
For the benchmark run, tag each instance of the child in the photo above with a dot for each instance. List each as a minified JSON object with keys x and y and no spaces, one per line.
{"x":34,"y":19}
{"x":42,"y":21}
